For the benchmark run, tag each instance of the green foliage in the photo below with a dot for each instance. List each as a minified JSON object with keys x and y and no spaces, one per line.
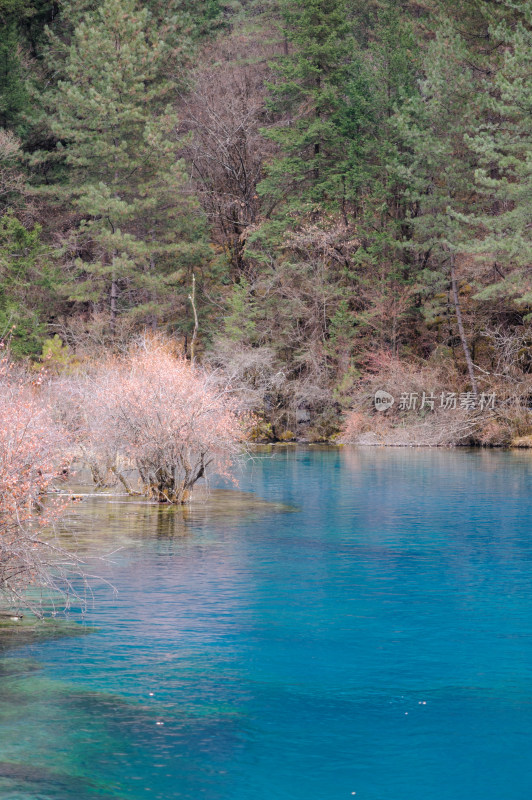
{"x":344,"y":388}
{"x":29,"y":17}
{"x":434,"y":163}
{"x":308,"y":92}
{"x":138,"y":234}
{"x":503,"y":146}
{"x":337,"y":92}
{"x":56,"y":355}
{"x":238,"y":321}
{"x":26,"y":284}
{"x":13,"y":94}
{"x":206,"y":16}
{"x":395,"y":165}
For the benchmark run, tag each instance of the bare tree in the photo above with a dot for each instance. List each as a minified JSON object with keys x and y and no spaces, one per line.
{"x":154,"y":415}
{"x":225,"y":150}
{"x":35,"y":567}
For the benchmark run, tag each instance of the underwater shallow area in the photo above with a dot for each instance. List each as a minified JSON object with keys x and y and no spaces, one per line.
{"x":361,"y":623}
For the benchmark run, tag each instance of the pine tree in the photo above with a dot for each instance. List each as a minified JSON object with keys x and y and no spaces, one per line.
{"x":503,"y":145}
{"x":309,"y":93}
{"x":27,"y":286}
{"x":138,"y":234}
{"x":436,"y":165}
{"x":201,"y":17}
{"x":13,"y":94}
{"x":338,"y":89}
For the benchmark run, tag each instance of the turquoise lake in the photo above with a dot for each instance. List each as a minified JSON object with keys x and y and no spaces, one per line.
{"x":344,"y":623}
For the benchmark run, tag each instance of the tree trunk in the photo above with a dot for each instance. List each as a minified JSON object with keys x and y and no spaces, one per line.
{"x":192,"y":298}
{"x":458,"y":311}
{"x":114,"y":298}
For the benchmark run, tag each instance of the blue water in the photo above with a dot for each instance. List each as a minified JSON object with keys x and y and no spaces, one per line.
{"x":369,"y":632}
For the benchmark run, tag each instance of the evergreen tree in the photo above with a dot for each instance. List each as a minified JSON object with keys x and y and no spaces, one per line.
{"x":22,"y":35}
{"x":338,"y":90}
{"x":13,"y":94}
{"x":436,"y":165}
{"x":27,"y":283}
{"x":138,"y":234}
{"x":309,"y":93}
{"x":503,"y":145}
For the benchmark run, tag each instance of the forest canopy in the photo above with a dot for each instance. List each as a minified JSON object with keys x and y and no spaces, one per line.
{"x":347,"y":186}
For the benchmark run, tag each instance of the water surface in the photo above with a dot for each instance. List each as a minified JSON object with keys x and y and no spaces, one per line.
{"x":363,"y":626}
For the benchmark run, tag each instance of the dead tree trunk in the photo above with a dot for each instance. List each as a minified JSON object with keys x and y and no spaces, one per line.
{"x":114,"y":298}
{"x":461,"y":331}
{"x":192,"y":298}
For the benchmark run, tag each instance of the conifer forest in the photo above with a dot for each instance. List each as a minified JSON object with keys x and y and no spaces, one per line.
{"x":318,"y":199}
